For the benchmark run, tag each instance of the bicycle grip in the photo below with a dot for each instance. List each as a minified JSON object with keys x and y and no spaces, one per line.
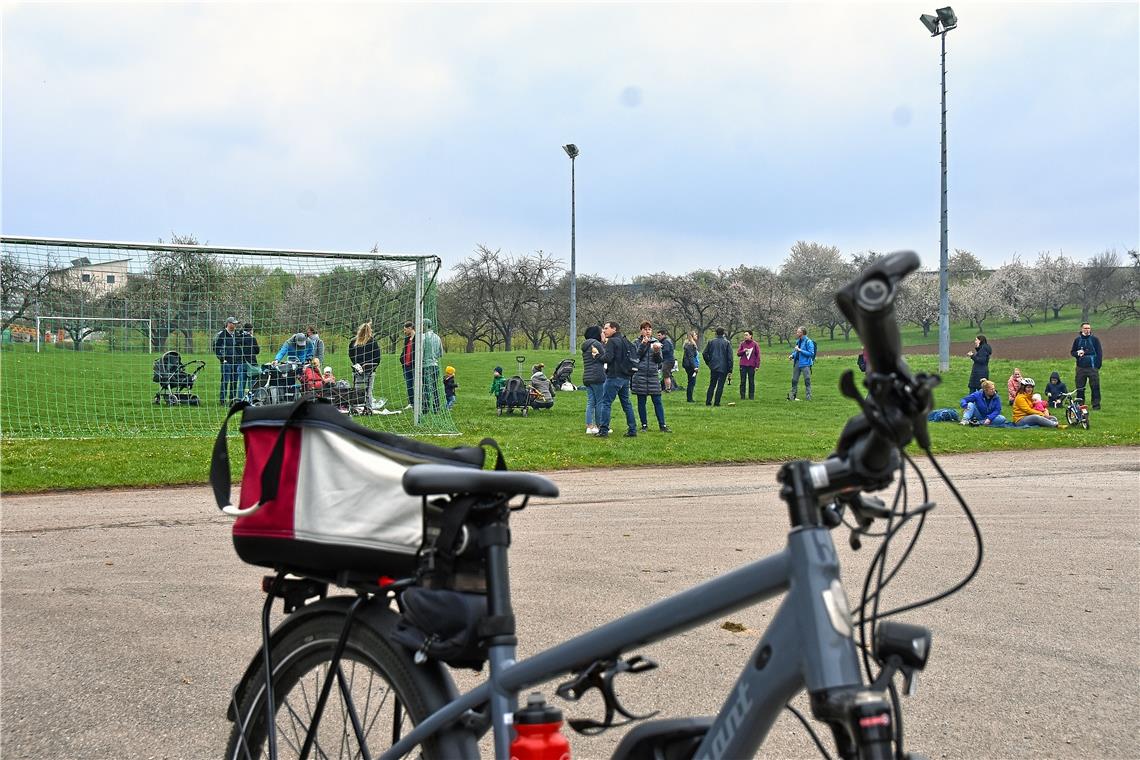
{"x":869,"y":303}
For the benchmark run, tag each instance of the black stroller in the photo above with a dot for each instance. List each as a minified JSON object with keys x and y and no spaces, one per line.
{"x":175,"y":379}
{"x":562,"y":374}
{"x":515,"y":395}
{"x":277,"y":384}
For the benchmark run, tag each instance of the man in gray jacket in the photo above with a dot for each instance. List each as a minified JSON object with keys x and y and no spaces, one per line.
{"x":719,"y":359}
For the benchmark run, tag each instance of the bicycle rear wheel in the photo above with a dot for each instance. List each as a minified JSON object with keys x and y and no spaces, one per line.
{"x":380,"y":698}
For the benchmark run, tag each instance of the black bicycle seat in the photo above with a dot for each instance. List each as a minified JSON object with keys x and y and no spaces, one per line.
{"x":429,"y":479}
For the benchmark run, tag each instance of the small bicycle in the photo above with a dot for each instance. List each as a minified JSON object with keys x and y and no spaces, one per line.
{"x":1076,"y":411}
{"x":336,"y":678}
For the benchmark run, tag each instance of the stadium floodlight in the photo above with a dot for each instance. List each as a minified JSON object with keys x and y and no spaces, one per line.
{"x":572,"y":151}
{"x":947,"y":20}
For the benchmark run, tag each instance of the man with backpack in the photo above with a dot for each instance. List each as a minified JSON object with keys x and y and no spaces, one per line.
{"x":621,"y":362}
{"x":1087,"y":352}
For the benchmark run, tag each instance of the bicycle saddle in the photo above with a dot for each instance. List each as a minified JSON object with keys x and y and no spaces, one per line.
{"x":428,"y":479}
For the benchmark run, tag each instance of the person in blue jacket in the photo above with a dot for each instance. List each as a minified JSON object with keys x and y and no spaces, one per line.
{"x":296,"y":349}
{"x":982,"y":407}
{"x":802,"y":357}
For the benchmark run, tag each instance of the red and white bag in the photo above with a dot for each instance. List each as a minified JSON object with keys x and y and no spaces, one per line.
{"x":322,"y":495}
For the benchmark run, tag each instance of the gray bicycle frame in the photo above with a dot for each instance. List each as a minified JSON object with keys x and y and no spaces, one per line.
{"x":809,"y":643}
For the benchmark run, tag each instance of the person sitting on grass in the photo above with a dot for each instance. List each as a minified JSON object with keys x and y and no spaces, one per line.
{"x":543,"y":396}
{"x":1024,"y":415}
{"x":982,"y":407}
{"x":1013,"y":385}
{"x":1055,"y":390}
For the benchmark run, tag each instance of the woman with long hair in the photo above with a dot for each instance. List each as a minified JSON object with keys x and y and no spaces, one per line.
{"x":690,"y":362}
{"x":364,"y":356}
{"x":981,"y":358}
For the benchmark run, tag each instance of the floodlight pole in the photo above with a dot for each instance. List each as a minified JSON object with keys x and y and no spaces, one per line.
{"x":572,"y":151}
{"x":944,"y":257}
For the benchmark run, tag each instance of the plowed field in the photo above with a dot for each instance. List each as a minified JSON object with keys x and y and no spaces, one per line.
{"x":1118,"y":343}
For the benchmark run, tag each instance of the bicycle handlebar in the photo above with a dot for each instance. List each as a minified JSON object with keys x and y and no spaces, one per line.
{"x":869,"y":303}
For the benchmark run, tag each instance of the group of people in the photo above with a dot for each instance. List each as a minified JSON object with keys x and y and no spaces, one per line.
{"x":718,"y":358}
{"x":614,"y":366}
{"x":982,"y":406}
{"x":237,"y":351}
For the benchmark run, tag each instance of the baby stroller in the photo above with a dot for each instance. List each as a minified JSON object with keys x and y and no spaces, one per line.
{"x":277,"y":384}
{"x":176,"y":379}
{"x":562,"y":374}
{"x":515,"y":395}
{"x":353,"y":399}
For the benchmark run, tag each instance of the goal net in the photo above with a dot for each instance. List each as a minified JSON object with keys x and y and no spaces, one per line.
{"x":113,"y":339}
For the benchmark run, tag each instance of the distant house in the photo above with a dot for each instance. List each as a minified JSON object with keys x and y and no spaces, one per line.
{"x":100,"y":277}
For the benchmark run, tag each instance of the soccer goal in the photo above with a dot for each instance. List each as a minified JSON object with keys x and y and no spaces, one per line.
{"x":159,"y":339}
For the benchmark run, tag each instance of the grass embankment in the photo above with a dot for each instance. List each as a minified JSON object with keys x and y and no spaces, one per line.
{"x":767,"y":429}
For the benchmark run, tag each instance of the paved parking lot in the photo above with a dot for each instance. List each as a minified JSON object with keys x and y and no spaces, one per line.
{"x":126,"y":617}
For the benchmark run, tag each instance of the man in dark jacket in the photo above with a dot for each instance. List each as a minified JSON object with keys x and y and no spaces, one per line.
{"x":408,"y":361}
{"x":619,"y":370}
{"x":718,"y":358}
{"x":1087,"y":352}
{"x":248,"y":349}
{"x":226,"y":348}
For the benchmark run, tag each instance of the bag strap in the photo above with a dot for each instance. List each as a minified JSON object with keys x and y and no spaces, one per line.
{"x":220,"y":478}
{"x":271,"y":474}
{"x":500,"y":463}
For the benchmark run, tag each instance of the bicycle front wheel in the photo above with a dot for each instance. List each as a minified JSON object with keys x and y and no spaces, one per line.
{"x":375,"y":698}
{"x":1071,"y":416}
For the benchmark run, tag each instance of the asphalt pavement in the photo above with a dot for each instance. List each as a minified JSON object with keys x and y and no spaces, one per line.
{"x":127,"y":618}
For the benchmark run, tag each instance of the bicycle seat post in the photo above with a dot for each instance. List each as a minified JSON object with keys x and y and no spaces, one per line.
{"x":499,"y":627}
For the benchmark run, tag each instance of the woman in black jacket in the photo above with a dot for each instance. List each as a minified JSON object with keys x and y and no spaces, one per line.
{"x":981,"y":357}
{"x":593,"y":375}
{"x":364,"y":356}
{"x":690,"y":363}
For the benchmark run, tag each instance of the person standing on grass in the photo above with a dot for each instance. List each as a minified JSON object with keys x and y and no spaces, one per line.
{"x":645,"y":380}
{"x":593,"y":376}
{"x":981,"y":358}
{"x":668,"y":360}
{"x":802,"y":358}
{"x":749,"y":353}
{"x":228,"y":350}
{"x":690,"y":362}
{"x":433,"y":352}
{"x":318,"y":344}
{"x":718,"y":358}
{"x":1087,"y":351}
{"x":619,"y":372}
{"x":248,"y":349}
{"x":408,"y":362}
{"x":364,"y":356}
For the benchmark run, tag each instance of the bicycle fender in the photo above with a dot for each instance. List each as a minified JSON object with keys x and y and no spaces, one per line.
{"x":382,"y":620}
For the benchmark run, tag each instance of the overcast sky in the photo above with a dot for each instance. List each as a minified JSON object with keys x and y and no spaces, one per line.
{"x":710,"y":135}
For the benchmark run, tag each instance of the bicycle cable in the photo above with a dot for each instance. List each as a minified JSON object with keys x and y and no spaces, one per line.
{"x":810,"y":730}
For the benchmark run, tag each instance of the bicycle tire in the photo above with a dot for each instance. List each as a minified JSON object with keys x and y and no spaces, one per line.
{"x":378,"y":681}
{"x":1071,"y":416}
{"x":1085,"y":419}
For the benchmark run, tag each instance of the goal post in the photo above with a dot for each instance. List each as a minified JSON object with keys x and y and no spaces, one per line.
{"x":114,"y":309}
{"x":51,"y":320}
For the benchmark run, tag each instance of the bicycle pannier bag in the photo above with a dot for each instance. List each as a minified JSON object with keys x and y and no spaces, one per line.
{"x":322,"y":495}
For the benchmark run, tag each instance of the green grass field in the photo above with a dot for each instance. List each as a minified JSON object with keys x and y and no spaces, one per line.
{"x":767,"y":429}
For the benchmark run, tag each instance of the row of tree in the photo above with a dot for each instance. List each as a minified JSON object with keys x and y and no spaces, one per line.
{"x":492,"y":299}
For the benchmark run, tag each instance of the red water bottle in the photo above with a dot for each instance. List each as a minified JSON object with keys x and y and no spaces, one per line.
{"x":537,"y":732}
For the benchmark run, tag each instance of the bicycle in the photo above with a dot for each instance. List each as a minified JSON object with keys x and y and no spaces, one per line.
{"x":1076,"y":411}
{"x":336,"y":680}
